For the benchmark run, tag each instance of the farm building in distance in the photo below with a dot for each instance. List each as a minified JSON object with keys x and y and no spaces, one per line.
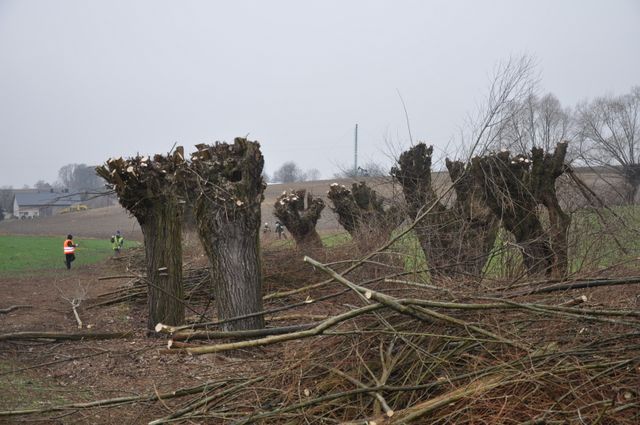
{"x":42,"y":204}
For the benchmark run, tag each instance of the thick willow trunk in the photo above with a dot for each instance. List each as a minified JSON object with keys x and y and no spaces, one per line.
{"x":456,"y":240}
{"x":148,"y":189}
{"x":559,"y":237}
{"x":232,"y":248}
{"x":228,"y":178}
{"x":162,"y":230}
{"x":549,"y":168}
{"x":530,"y":236}
{"x":516,"y":186}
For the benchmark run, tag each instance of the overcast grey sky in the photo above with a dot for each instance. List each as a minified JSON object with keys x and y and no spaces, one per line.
{"x":81,"y":81}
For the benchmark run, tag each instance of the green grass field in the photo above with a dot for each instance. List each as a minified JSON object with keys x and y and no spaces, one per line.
{"x":31,"y":253}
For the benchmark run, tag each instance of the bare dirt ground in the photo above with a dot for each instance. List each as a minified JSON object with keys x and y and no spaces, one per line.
{"x":36,"y":374}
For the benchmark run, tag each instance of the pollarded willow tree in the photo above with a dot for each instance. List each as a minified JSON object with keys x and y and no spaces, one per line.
{"x":228,"y":186}
{"x":361,"y":211}
{"x":457,"y":239}
{"x":515,"y":187}
{"x":300,"y":219}
{"x":149,"y":189}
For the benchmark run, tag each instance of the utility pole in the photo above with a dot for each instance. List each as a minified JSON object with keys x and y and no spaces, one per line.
{"x":355,"y":154}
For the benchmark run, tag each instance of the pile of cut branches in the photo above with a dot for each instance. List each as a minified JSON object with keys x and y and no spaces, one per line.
{"x":395,"y":351}
{"x":532,"y":355}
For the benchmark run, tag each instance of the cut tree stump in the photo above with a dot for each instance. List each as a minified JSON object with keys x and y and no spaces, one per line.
{"x":362,"y":213}
{"x":150,"y":189}
{"x":227,"y":180}
{"x":300,"y":217}
{"x":456,"y":239}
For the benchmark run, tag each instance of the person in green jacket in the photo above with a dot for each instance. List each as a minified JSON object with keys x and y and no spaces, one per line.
{"x":117,"y":242}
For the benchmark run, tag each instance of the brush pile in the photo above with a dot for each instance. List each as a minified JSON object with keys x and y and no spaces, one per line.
{"x":543,"y":353}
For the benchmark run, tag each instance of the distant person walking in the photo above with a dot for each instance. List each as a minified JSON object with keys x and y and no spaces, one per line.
{"x":280,"y":230}
{"x":69,"y":251}
{"x":117,"y":242}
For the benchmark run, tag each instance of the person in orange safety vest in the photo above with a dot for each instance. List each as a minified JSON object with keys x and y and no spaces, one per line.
{"x":69,"y":251}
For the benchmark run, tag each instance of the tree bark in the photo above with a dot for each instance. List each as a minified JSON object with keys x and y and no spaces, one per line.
{"x":455,"y":240}
{"x":361,"y":212}
{"x":515,"y":187}
{"x":479,"y":225}
{"x":227,"y":211}
{"x":162,"y":230}
{"x":548,"y":168}
{"x":300,"y":219}
{"x":149,"y":189}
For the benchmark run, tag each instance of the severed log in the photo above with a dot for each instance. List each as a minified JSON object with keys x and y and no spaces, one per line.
{"x":286,"y":317}
{"x":421,"y":313}
{"x":574,"y":301}
{"x":75,"y":303}
{"x":126,"y":276}
{"x":576,"y":285}
{"x":251,"y":333}
{"x":59,"y":336}
{"x":400,"y":305}
{"x":179,"y":344}
{"x":269,"y":340}
{"x":14,"y":307}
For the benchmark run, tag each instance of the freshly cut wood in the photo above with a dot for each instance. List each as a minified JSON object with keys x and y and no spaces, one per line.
{"x":252,"y":333}
{"x":632,"y":280}
{"x":75,"y":303}
{"x":274,"y":339}
{"x":179,"y":344}
{"x":575,"y":301}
